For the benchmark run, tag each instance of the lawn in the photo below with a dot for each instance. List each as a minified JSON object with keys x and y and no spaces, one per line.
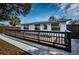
{"x":9,"y":49}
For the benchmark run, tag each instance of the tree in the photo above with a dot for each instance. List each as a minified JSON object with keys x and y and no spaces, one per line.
{"x":12,"y":10}
{"x":15,"y":22}
{"x":1,"y":28}
{"x":52,"y":18}
{"x":63,"y":18}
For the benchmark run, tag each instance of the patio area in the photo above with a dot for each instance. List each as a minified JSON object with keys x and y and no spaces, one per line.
{"x":9,"y":49}
{"x":37,"y":49}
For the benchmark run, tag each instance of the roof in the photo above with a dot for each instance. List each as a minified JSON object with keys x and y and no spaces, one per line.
{"x":45,"y":22}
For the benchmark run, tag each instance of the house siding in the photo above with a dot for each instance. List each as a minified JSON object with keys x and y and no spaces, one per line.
{"x":48,"y":27}
{"x":41,"y":27}
{"x":31,"y":27}
{"x":62,"y":26}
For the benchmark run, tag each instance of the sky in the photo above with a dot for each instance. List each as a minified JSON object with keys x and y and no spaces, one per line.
{"x":42,"y":11}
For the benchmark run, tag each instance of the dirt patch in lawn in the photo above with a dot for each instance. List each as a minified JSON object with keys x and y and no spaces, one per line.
{"x":9,"y":49}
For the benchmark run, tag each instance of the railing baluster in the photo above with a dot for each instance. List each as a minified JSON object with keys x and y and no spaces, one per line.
{"x":24,"y":34}
{"x":59,"y":38}
{"x":51,"y":37}
{"x":38,"y":37}
{"x":62,"y":38}
{"x":56,"y":38}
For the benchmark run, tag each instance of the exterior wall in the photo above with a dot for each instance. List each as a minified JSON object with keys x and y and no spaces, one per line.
{"x":31,"y":27}
{"x":62,"y":26}
{"x":41,"y":27}
{"x":48,"y":27}
{"x":22,"y":27}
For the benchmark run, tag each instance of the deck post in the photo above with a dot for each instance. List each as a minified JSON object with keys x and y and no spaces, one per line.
{"x":68,"y":41}
{"x":38,"y":37}
{"x":15,"y":33}
{"x":24,"y":34}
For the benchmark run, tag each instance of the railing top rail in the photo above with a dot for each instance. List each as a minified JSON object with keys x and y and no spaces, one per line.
{"x":38,"y":31}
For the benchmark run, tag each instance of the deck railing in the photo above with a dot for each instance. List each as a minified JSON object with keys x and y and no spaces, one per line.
{"x":61,"y":40}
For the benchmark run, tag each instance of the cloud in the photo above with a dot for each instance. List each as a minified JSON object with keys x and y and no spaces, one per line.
{"x":73,"y":9}
{"x":62,"y":7}
{"x":69,"y":9}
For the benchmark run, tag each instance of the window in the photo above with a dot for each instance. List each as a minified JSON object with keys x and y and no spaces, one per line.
{"x":37,"y":27}
{"x":55,"y":27}
{"x":26,"y":27}
{"x":45,"y":26}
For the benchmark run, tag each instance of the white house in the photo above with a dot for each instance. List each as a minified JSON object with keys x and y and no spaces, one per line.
{"x":51,"y":25}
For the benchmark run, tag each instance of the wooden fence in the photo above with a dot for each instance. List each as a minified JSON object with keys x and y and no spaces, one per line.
{"x":61,"y":40}
{"x":74,"y":30}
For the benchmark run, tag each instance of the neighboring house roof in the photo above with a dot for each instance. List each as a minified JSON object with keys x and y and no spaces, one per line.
{"x":51,"y":19}
{"x":45,"y":22}
{"x":41,"y":22}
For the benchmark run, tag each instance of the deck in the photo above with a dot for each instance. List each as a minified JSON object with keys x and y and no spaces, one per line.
{"x":38,"y":49}
{"x":60,"y":40}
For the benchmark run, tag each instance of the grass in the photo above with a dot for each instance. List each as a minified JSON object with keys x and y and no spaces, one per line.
{"x":9,"y":49}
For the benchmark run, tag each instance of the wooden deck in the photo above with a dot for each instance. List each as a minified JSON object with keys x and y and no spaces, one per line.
{"x":58,"y":39}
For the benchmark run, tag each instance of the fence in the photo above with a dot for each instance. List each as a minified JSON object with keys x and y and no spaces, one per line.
{"x":74,"y":30}
{"x":61,"y":40}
